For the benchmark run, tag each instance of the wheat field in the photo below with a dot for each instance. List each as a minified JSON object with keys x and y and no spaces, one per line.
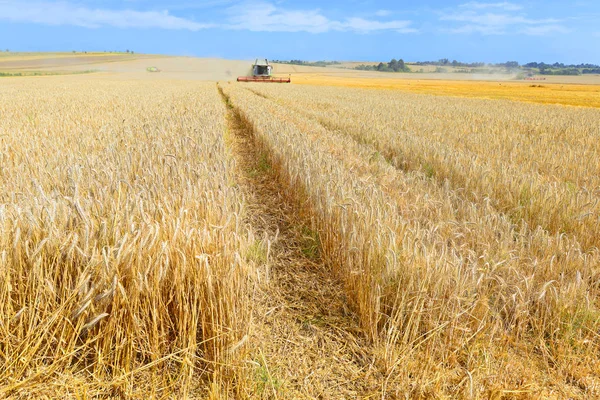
{"x":121,"y":239}
{"x":452,"y":243}
{"x":577,"y":91}
{"x":167,"y":238}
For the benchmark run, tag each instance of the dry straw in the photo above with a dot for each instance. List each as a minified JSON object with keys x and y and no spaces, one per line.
{"x":120,"y":234}
{"x":438,"y":273}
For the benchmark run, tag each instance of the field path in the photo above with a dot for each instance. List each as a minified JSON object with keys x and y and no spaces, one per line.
{"x":305,"y":342}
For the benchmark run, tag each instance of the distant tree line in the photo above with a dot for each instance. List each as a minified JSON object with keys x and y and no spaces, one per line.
{"x":561,"y":71}
{"x":564,"y":69}
{"x":392,"y":66}
{"x":542,"y":65}
{"x":544,"y":69}
{"x":465,"y":67}
{"x":106,"y":51}
{"x":508,"y":65}
{"x":444,"y":62}
{"x":307,"y":63}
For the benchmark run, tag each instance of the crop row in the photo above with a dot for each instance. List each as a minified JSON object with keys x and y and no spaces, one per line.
{"x":534,"y":163}
{"x":120,"y":239}
{"x":428,"y":270}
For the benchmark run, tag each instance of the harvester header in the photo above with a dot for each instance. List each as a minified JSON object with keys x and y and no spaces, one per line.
{"x":263,"y":72}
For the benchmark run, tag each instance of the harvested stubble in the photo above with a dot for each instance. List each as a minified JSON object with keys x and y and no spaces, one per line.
{"x":119,"y":241}
{"x":452,"y":289}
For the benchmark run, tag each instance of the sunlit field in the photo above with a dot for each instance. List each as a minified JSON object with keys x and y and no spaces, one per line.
{"x":465,"y":230}
{"x":339,"y":237}
{"x":121,"y":238}
{"x":530,"y":91}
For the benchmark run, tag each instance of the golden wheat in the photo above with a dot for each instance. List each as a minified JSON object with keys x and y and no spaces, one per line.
{"x":464,"y":232}
{"x":537,"y":163}
{"x":430,"y":269}
{"x":121,"y":238}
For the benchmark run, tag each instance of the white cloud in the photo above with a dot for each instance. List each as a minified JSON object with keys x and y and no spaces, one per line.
{"x":365,"y":25}
{"x":495,"y":20}
{"x":506,"y":6}
{"x":477,"y":18}
{"x":543,"y":30}
{"x":266,"y":17}
{"x":253,"y":16}
{"x":471,"y":28}
{"x":382,"y":13}
{"x":63,"y":13}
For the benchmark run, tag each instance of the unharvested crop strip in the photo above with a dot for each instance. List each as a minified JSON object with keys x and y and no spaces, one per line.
{"x":509,"y":265}
{"x":475,"y":229}
{"x":540,"y":174}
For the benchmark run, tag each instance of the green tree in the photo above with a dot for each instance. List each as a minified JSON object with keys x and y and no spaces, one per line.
{"x":402,"y":65}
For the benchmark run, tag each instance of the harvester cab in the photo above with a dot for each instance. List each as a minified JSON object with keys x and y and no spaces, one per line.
{"x":262,"y":72}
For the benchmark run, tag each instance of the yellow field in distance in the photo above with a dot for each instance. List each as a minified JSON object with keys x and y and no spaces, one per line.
{"x":529,"y":91}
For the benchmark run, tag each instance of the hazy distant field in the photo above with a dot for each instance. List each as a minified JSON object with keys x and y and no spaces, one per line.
{"x":134,"y":66}
{"x":351,"y":235}
{"x":17,"y":62}
{"x":544,"y":92}
{"x":125,"y":66}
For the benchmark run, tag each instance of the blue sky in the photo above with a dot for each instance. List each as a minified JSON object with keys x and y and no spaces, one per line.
{"x":490,"y":31}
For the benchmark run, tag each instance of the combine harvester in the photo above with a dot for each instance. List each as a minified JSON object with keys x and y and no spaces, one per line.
{"x":261,"y":72}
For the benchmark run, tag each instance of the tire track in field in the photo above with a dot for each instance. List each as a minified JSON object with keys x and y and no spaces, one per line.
{"x":305,"y":342}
